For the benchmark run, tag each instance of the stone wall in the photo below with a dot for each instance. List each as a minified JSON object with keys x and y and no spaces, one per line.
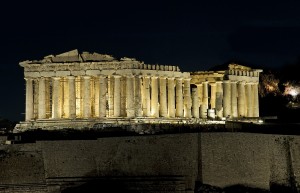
{"x":218,"y":159}
{"x":235,"y":158}
{"x":21,"y":168}
{"x":146,"y":156}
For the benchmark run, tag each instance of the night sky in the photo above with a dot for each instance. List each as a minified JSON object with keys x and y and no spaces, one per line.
{"x":194,"y":36}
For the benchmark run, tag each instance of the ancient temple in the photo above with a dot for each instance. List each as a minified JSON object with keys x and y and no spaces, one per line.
{"x":73,"y":90}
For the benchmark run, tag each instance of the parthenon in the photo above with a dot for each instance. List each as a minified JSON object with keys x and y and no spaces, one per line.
{"x":73,"y":90}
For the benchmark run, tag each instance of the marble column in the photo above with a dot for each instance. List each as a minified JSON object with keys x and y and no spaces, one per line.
{"x":163,"y":108}
{"x":102,"y":95}
{"x":255,"y":100}
{"x":213,"y":90}
{"x":200,"y":95}
{"x":29,"y":99}
{"x":56,"y":94}
{"x":123,"y":108}
{"x":146,"y":96}
{"x":171,"y":98}
{"x":72,"y":97}
{"x":137,"y":96}
{"x":96,"y":96}
{"x":130,"y":96}
{"x":47,"y":98}
{"x":111,"y":96}
{"x":241,"y":99}
{"x":42,"y":99}
{"x":195,"y":103}
{"x":179,"y":98}
{"x":117,"y":96}
{"x":154,"y":97}
{"x":35,"y":98}
{"x":234,"y":109}
{"x":86,"y":98}
{"x":187,"y":97}
{"x":64,"y":97}
{"x":204,"y":104}
{"x":219,"y":99}
{"x":227,"y":98}
{"x":249,"y":100}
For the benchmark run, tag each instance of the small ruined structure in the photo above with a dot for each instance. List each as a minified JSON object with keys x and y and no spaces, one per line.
{"x":73,"y":90}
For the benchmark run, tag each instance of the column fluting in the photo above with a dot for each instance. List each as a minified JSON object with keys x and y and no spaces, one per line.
{"x":42,"y":99}
{"x":86,"y":97}
{"x":163,"y":108}
{"x":171,"y":98}
{"x":154,"y":97}
{"x":29,"y":99}
{"x":56,"y":94}
{"x":187,"y":98}
{"x":179,"y":98}
{"x":72,"y":97}
{"x":102,"y":95}
{"x":117,"y":96}
{"x":227,"y":98}
{"x":241,"y":99}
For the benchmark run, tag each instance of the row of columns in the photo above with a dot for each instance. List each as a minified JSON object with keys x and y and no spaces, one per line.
{"x":137,"y":96}
{"x":228,"y":99}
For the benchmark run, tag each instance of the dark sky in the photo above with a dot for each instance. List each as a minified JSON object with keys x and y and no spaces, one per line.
{"x":194,"y":36}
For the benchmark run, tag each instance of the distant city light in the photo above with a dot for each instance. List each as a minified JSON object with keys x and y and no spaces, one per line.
{"x":291,"y":89}
{"x":293,"y":92}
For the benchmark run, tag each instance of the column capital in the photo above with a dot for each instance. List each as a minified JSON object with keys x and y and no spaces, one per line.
{"x":178,"y":78}
{"x":242,"y":82}
{"x":187,"y":79}
{"x":234,"y":81}
{"x":86,"y":77}
{"x":117,"y":76}
{"x":213,"y":84}
{"x":171,"y":78}
{"x":70,"y":77}
{"x":56,"y":78}
{"x":154,"y":77}
{"x":226,"y":81}
{"x":102,"y":76}
{"x":162,"y":77}
{"x":129,"y":75}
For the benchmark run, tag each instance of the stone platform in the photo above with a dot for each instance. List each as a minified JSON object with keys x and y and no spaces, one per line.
{"x":96,"y":123}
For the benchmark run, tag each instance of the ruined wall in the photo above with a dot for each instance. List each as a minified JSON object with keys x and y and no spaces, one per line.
{"x":219,"y":159}
{"x":157,"y":155}
{"x":256,"y":160}
{"x":21,"y":168}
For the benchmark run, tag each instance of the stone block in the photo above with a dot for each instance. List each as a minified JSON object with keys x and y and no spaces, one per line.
{"x":77,"y":73}
{"x":47,"y":74}
{"x":32,"y":74}
{"x":93,"y":72}
{"x":63,"y":73}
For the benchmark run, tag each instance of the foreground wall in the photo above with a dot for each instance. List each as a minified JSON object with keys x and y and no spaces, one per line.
{"x":174,"y":161}
{"x":256,"y":160}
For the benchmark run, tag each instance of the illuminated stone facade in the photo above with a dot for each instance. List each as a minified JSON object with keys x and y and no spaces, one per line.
{"x":73,"y":90}
{"x":231,"y":93}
